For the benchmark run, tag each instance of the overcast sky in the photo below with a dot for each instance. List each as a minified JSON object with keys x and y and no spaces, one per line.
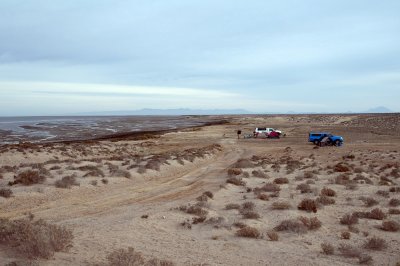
{"x":61,"y":57}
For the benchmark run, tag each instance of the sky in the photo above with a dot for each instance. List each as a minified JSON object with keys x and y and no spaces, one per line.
{"x":62,"y":57}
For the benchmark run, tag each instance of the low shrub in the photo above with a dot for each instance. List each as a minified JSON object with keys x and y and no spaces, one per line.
{"x":349,"y":251}
{"x":341,"y":168}
{"x":196,"y":210}
{"x":268,"y":187}
{"x":304,"y":188}
{"x":375,"y":243}
{"x":249,"y":232}
{"x":209,"y":194}
{"x":35,"y":239}
{"x":259,"y":174}
{"x":248,"y":205}
{"x":281,"y":205}
{"x":250,"y":215}
{"x":369,"y":202}
{"x":29,"y":177}
{"x":243,"y":163}
{"x":281,"y":180}
{"x":394,"y":211}
{"x":125,"y":257}
{"x":345,"y":235}
{"x":394,"y":202}
{"x":5,"y":192}
{"x":308,"y":205}
{"x":273,"y":235}
{"x":234,"y":171}
{"x":383,"y":193}
{"x":232,"y":206}
{"x":328,"y":192}
{"x":292,"y":225}
{"x":311,"y":223}
{"x":390,"y":226}
{"x":263,"y":196}
{"x":349,"y":219}
{"x":376,"y":214}
{"x":235,"y":181}
{"x":327,"y":249}
{"x":66,"y":182}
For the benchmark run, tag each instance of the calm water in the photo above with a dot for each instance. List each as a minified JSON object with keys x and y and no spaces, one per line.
{"x":39,"y":129}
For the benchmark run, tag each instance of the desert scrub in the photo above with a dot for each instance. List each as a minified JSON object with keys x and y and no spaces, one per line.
{"x":390,"y":226}
{"x":304,"y":188}
{"x":281,"y":180}
{"x":375,"y":243}
{"x":235,"y":181}
{"x":328,"y":192}
{"x":345,"y":235}
{"x":232,"y":206}
{"x":292,"y":225}
{"x":5,"y":192}
{"x":35,"y":239}
{"x":28,"y":178}
{"x":324,"y":200}
{"x":273,"y":235}
{"x":368,"y":201}
{"x":66,"y":182}
{"x":249,"y":232}
{"x":349,"y":219}
{"x":311,"y":223}
{"x":280,"y":205}
{"x":327,"y":249}
{"x":394,"y":202}
{"x":259,"y":174}
{"x":308,"y":205}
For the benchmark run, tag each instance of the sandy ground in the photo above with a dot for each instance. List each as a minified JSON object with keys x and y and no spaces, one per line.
{"x":157,"y":176}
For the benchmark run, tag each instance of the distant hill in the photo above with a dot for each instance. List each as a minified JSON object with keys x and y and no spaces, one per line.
{"x":379,"y":109}
{"x":180,"y":111}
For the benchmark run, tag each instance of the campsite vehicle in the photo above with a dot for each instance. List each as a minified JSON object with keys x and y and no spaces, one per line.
{"x":265,"y":130}
{"x":324,"y":139}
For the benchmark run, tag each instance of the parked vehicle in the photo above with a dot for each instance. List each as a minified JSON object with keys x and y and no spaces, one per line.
{"x":266,"y":131}
{"x":325,"y":138}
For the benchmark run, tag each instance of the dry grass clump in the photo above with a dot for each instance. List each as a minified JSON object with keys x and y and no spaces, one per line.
{"x":345,"y":235}
{"x":28,"y":177}
{"x":394,"y":189}
{"x":327,"y":249}
{"x":259,"y":174}
{"x":232,"y":206}
{"x":390,"y":226}
{"x":376,"y":214}
{"x":368,"y":201}
{"x":248,"y":205}
{"x":281,"y":205}
{"x":66,"y":182}
{"x":35,"y":239}
{"x":249,"y":232}
{"x":394,"y":202}
{"x":250,"y":214}
{"x":202,"y":198}
{"x":349,"y":219}
{"x":383,"y":193}
{"x":311,"y":223}
{"x":263,"y":196}
{"x":349,"y":251}
{"x":198,"y":220}
{"x":375,"y":243}
{"x":328,"y":192}
{"x":341,"y":168}
{"x":209,"y":194}
{"x":5,"y":192}
{"x":96,"y":172}
{"x":308,"y":175}
{"x":308,"y":205}
{"x":196,"y":210}
{"x":394,"y":211}
{"x":304,"y":188}
{"x":268,"y":187}
{"x":324,"y":200}
{"x":273,"y":235}
{"x":235,"y":171}
{"x":243,"y":163}
{"x":125,"y":257}
{"x":292,"y":225}
{"x":281,"y":180}
{"x":235,"y":181}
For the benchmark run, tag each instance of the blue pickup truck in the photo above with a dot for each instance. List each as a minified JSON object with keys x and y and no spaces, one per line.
{"x":324,"y":137}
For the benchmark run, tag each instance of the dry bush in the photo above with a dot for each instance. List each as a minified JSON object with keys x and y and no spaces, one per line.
{"x":141,"y":170}
{"x":327,"y":249}
{"x":324,"y":200}
{"x":202,"y":198}
{"x":235,"y":181}
{"x":390,"y":226}
{"x":304,"y":188}
{"x":235,"y":171}
{"x":263,"y":196}
{"x":5,"y":192}
{"x":394,"y":211}
{"x":35,"y":239}
{"x":250,"y":214}
{"x":249,"y":232}
{"x":369,"y":202}
{"x":281,"y":180}
{"x":375,"y":243}
{"x":292,"y":225}
{"x":158,"y":262}
{"x":308,"y":175}
{"x":394,"y":189}
{"x":311,"y":223}
{"x":268,"y":187}
{"x":394,"y":202}
{"x":198,"y":220}
{"x":308,"y":205}
{"x":349,"y":219}
{"x":377,"y":214}
{"x":1,"y":176}
{"x":104,"y":181}
{"x":29,"y":177}
{"x":66,"y":182}
{"x":196,"y":210}
{"x":281,"y":205}
{"x":248,"y":205}
{"x":363,"y":178}
{"x":345,"y":235}
{"x":232,"y":206}
{"x":349,"y":251}
{"x":349,"y":156}
{"x":95,"y":173}
{"x":342,"y":179}
{"x":259,"y":174}
{"x":364,"y":259}
{"x":209,"y":194}
{"x":273,"y":235}
{"x":93,"y":182}
{"x":239,"y":225}
{"x":125,"y":257}
{"x":243,"y":163}
{"x":328,"y":192}
{"x":341,"y":168}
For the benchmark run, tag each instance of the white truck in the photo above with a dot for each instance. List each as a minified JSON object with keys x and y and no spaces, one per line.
{"x":266,"y":131}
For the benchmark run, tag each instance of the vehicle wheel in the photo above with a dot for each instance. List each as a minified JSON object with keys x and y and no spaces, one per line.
{"x":316,"y":142}
{"x":337,"y":143}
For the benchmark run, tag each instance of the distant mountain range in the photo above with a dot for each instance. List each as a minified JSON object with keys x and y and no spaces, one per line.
{"x":379,"y":109}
